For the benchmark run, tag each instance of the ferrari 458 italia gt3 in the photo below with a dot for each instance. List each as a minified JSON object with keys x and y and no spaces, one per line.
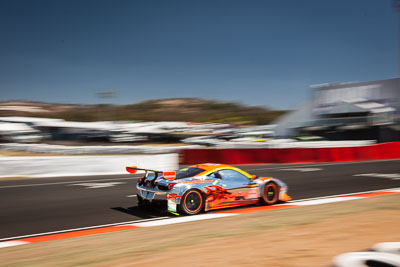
{"x":205,"y":187}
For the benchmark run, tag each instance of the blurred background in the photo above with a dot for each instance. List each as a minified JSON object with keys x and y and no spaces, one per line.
{"x":88,"y":87}
{"x":215,"y":74}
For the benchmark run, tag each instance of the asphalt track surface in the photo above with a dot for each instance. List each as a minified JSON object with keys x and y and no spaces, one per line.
{"x":31,"y":206}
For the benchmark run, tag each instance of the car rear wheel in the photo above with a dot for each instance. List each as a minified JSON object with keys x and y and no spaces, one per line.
{"x":141,"y":203}
{"x":192,"y":202}
{"x":270,"y":194}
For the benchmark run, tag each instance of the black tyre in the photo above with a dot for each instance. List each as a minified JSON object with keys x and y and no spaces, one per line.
{"x":192,"y":203}
{"x":270,"y":194}
{"x":141,"y":202}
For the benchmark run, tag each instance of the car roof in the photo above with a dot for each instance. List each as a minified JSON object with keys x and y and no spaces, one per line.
{"x":210,"y":167}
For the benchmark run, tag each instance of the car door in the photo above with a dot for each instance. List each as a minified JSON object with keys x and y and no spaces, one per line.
{"x":237,"y":185}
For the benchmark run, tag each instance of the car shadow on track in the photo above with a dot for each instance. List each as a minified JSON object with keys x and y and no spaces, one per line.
{"x":143,"y":213}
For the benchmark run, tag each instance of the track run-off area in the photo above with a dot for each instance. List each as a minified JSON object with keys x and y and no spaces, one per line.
{"x":34,"y":207}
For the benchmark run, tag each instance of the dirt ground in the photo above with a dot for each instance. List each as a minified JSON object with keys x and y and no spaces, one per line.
{"x":306,"y":245}
{"x":301,"y":236}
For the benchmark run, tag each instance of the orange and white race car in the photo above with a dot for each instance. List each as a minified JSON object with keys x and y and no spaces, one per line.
{"x":205,"y":187}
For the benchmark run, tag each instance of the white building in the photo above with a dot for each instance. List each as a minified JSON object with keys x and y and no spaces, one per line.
{"x":367,"y":110}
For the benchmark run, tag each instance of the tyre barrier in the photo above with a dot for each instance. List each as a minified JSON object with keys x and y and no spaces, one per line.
{"x":385,"y":254}
{"x":291,"y":155}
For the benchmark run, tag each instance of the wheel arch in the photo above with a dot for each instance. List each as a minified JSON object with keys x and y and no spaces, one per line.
{"x":277,"y":197}
{"x":203,"y":197}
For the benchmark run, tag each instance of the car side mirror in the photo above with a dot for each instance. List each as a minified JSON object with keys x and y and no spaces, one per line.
{"x":253,"y":176}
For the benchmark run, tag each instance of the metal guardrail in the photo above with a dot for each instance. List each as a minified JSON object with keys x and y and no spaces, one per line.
{"x":55,"y":166}
{"x":87,"y":150}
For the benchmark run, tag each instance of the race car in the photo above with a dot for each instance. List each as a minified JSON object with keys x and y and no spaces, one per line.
{"x":203,"y":187}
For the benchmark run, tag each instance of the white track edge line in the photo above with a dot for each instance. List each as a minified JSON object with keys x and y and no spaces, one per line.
{"x":137,"y":223}
{"x":183,"y":219}
{"x":396,"y":189}
{"x":82,"y":228}
{"x":326,"y":201}
{"x":7,"y":244}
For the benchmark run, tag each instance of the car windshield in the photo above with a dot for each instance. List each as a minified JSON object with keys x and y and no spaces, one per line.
{"x":188,"y":172}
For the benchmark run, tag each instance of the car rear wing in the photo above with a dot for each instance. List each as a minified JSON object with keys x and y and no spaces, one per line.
{"x":169,"y":175}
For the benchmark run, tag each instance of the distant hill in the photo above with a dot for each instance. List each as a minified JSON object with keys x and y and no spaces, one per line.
{"x":177,"y":109}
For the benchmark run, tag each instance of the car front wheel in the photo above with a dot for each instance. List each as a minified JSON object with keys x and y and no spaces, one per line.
{"x":270,"y":194}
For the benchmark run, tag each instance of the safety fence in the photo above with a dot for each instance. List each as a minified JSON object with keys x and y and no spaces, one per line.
{"x":291,"y":155}
{"x":56,"y":166}
{"x":93,"y":150}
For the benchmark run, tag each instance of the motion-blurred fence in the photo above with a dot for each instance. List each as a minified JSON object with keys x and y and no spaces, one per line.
{"x":55,"y":166}
{"x":291,"y":155}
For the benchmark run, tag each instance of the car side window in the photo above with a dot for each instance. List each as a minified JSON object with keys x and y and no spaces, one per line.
{"x":233,"y":175}
{"x":214,"y":175}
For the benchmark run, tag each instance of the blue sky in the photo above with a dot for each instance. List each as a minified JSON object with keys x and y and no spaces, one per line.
{"x":257,"y":52}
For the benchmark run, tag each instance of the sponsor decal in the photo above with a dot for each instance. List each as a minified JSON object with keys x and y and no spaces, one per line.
{"x":171,"y":175}
{"x":171,"y":206}
{"x":197,"y":181}
{"x":253,"y":193}
{"x":174,"y":196}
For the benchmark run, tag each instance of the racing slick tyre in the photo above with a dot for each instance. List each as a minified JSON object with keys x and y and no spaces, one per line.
{"x":192,"y":202}
{"x":270,"y":194}
{"x":141,"y":202}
